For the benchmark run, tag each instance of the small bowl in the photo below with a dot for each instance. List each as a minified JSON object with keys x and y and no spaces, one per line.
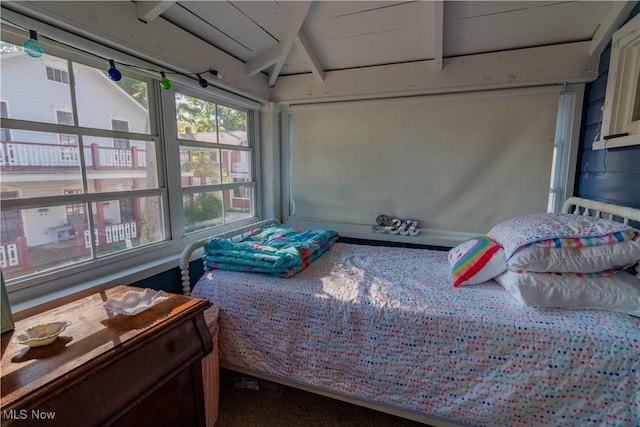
{"x":40,"y":335}
{"x":134,"y":302}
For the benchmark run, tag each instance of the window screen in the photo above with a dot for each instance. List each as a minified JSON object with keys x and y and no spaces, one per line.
{"x":459,"y":162}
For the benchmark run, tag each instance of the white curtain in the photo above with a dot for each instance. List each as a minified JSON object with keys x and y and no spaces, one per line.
{"x":460,"y":162}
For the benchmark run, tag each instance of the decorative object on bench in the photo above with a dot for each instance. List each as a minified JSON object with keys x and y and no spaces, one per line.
{"x":405,"y":227}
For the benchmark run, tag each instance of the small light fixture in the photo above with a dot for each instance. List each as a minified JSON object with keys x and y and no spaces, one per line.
{"x":202,"y":81}
{"x":164,"y":81}
{"x":31,"y":46}
{"x":113,"y":72}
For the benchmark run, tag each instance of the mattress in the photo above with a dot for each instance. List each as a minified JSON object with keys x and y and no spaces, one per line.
{"x":385,"y":325}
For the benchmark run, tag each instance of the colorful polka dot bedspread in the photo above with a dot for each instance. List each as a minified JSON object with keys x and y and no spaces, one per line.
{"x":384,"y":324}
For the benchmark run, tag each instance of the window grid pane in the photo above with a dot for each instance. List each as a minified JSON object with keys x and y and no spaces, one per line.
{"x":204,"y":121}
{"x":70,"y":227}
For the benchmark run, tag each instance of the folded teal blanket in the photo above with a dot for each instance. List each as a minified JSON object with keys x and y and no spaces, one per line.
{"x":278,"y":250}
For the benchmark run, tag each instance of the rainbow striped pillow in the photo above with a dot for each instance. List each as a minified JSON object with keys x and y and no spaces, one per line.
{"x":476,"y":261}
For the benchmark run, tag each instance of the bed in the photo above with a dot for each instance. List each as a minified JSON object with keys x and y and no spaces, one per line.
{"x":383,"y":327}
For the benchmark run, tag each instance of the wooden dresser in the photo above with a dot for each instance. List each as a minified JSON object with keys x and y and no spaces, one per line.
{"x":107,"y":369}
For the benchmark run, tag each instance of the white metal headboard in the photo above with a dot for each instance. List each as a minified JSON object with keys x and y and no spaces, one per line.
{"x":601,"y":210}
{"x":609,"y":211}
{"x":235,"y":235}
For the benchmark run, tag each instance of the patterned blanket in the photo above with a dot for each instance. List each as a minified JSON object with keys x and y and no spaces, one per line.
{"x":384,"y":325}
{"x":278,"y":250}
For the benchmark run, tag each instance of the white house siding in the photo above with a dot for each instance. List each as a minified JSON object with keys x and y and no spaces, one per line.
{"x":30,"y":96}
{"x":99,"y":99}
{"x":23,"y":78}
{"x":36,"y":225}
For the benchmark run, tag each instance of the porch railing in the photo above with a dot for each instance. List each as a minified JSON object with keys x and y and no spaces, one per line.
{"x":15,"y":254}
{"x":113,"y":233}
{"x":19,"y":155}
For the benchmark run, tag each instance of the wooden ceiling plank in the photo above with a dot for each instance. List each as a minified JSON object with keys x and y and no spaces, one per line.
{"x":614,"y":19}
{"x":302,"y":42}
{"x":294,"y":25}
{"x":150,"y":10}
{"x":438,"y":31}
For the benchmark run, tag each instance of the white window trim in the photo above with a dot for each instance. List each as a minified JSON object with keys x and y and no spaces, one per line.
{"x":173,"y":160}
{"x":567,"y":141}
{"x":622,"y":89}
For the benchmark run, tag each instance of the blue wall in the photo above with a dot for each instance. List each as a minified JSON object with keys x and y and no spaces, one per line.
{"x":611,"y":175}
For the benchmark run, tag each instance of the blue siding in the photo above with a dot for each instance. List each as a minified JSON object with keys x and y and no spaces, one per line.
{"x":611,"y":175}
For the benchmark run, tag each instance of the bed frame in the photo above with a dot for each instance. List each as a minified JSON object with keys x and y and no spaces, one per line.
{"x":574,"y":205}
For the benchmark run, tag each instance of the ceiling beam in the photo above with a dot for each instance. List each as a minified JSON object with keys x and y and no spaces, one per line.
{"x":302,"y":43}
{"x":569,"y":62}
{"x":294,"y":25}
{"x":276,"y":55}
{"x":150,"y":10}
{"x":264,"y":60}
{"x":614,"y":19}
{"x":438,"y":30}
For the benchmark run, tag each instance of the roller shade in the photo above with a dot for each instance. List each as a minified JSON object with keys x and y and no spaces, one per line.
{"x":459,"y":162}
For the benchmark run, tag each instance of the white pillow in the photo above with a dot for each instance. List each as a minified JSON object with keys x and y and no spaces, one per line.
{"x":619,"y":293}
{"x":476,"y":261}
{"x":526,"y":229}
{"x":590,"y":259}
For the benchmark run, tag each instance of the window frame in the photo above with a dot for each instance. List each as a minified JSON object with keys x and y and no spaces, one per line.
{"x":620,"y":102}
{"x":174,"y":169}
{"x":32,"y":289}
{"x":33,"y":293}
{"x":64,"y":75}
{"x":4,"y":113}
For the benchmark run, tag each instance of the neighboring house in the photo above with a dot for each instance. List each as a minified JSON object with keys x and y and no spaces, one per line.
{"x":236,"y":162}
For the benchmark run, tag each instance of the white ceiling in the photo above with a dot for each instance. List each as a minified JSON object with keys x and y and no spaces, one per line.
{"x":284,"y":38}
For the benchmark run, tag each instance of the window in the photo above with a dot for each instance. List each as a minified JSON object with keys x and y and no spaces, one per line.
{"x":66,"y":118}
{"x":11,"y":231}
{"x":621,"y":112}
{"x":57,"y":75}
{"x":216,"y":167}
{"x":5,"y":135}
{"x":123,"y":126}
{"x":85,"y":195}
{"x":77,"y":199}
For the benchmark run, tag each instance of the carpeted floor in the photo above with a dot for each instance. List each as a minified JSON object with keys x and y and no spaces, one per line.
{"x":279,"y":406}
